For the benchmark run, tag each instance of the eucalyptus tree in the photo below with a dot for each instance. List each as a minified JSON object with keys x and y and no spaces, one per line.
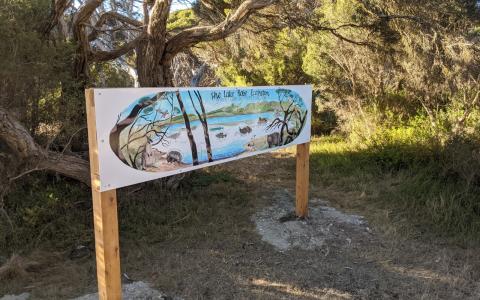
{"x":129,"y":30}
{"x":153,"y":44}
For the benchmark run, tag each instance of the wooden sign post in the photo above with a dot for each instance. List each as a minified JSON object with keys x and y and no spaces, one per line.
{"x":105,"y":221}
{"x":302,"y":181}
{"x":168,"y":131}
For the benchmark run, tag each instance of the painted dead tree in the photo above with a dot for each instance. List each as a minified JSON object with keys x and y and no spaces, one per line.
{"x":191,"y":139}
{"x":289,"y":104}
{"x":128,"y":121}
{"x":146,"y":125}
{"x":202,"y":117}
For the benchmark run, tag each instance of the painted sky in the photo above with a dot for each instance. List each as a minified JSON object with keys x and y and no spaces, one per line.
{"x":217,"y":98}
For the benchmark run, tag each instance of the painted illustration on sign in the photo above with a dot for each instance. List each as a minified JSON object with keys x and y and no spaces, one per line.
{"x":170,"y":130}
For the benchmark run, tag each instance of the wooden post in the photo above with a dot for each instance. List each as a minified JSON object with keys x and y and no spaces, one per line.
{"x":303,"y":156}
{"x":105,"y":219}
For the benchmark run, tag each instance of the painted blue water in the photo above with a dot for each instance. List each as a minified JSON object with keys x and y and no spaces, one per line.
{"x":222,"y":149}
{"x":224,"y":120}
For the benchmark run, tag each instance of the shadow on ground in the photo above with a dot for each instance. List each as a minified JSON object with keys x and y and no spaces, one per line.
{"x":231,"y":237}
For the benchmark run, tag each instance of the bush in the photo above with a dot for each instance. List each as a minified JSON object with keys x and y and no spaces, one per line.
{"x":42,"y":209}
{"x":424,"y":174}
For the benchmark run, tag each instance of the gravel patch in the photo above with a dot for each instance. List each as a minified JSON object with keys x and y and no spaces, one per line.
{"x":138,"y":290}
{"x":23,"y":296}
{"x":278,"y":226}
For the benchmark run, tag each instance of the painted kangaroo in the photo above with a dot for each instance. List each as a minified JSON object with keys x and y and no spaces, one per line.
{"x":151,"y":156}
{"x":174,"y":157}
{"x":148,"y":159}
{"x":273,"y":139}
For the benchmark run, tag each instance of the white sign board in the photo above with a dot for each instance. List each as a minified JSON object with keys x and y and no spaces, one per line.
{"x":148,"y":133}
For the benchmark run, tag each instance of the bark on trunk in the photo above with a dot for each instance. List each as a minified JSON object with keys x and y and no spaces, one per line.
{"x":22,"y":145}
{"x":152,"y":70}
{"x":66,"y":165}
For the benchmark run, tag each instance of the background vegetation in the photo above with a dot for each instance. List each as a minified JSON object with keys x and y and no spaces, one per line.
{"x":397,"y":92}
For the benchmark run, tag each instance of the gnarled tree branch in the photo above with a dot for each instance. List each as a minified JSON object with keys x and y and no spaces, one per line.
{"x":112,"y":15}
{"x":22,"y":145}
{"x":100,"y":55}
{"x":192,"y":36}
{"x":58,"y":8}
{"x":157,"y":27}
{"x":81,"y":18}
{"x":85,"y":12}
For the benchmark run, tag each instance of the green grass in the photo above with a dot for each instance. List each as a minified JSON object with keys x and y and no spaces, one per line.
{"x":44,"y":212}
{"x":414,"y":183}
{"x":424,"y":188}
{"x":202,"y":206}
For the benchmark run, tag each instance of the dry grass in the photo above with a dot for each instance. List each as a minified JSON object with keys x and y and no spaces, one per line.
{"x":199,"y":243}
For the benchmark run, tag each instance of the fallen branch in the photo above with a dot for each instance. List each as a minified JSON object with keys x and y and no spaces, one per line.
{"x":22,"y":145}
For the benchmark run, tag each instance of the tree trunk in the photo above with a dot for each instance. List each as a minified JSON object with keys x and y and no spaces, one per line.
{"x":152,"y":69}
{"x":80,"y":63}
{"x":22,"y":145}
{"x":66,"y":165}
{"x":193,"y":145}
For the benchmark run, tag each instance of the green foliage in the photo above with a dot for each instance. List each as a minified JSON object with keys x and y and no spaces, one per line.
{"x":418,"y":185}
{"x":181,"y":19}
{"x":421,"y":173}
{"x":31,"y":68}
{"x":42,"y":211}
{"x":401,"y":91}
{"x":270,"y":60}
{"x":324,"y":118}
{"x":232,"y":75}
{"x":37,"y":75}
{"x":110,"y":74}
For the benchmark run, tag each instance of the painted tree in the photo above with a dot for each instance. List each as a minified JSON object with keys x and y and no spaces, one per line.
{"x":150,"y":128}
{"x":202,"y":117}
{"x":186,"y":119}
{"x":128,"y":120}
{"x":290,"y":105}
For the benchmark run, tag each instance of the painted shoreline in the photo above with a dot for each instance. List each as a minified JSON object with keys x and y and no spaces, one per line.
{"x":150,"y":135}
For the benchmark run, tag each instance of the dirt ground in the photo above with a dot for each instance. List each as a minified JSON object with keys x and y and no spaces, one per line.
{"x":228,"y":257}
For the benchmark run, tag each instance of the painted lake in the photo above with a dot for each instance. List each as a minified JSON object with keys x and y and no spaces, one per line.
{"x":225,"y":136}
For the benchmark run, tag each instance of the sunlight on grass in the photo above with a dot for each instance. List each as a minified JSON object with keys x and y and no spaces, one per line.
{"x":422,"y":273}
{"x":404,"y":178}
{"x":326,"y":293}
